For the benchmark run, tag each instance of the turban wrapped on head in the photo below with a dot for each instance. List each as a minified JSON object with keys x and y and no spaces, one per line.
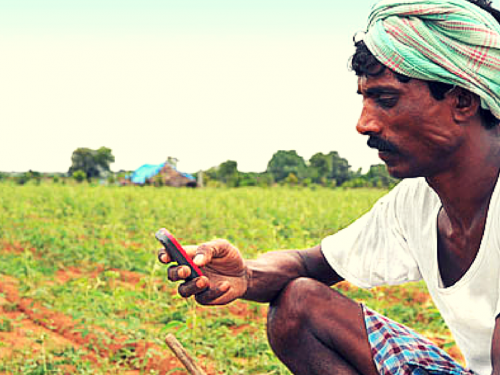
{"x":450,"y":41}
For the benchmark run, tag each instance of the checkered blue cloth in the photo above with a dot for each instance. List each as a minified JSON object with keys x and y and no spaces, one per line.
{"x":398,"y":350}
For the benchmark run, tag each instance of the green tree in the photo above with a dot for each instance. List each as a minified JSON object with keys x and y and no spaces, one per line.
{"x":341,"y":170}
{"x":330,"y":166}
{"x":104,"y":157}
{"x":95,"y":163}
{"x":283,"y":163}
{"x":228,"y":173}
{"x":25,"y":177}
{"x":248,"y":179}
{"x":292,"y":179}
{"x":357,"y":182}
{"x":378,"y":176}
{"x":265,"y":179}
{"x":210,"y":177}
{"x":320,"y":167}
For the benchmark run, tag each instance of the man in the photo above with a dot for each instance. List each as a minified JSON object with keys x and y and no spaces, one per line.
{"x":429,"y":75}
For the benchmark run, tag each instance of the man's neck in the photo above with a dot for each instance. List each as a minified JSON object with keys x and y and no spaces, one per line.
{"x":465,"y":190}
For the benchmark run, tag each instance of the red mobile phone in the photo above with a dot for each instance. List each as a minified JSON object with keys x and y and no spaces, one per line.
{"x":177,"y":253}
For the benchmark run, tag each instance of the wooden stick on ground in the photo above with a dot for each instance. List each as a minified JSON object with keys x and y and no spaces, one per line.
{"x":183,"y":355}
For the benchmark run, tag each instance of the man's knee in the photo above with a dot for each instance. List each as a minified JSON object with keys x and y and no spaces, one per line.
{"x":290,"y":312}
{"x":309,"y":314}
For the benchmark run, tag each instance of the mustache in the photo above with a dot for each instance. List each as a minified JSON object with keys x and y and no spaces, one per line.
{"x":380,"y":144}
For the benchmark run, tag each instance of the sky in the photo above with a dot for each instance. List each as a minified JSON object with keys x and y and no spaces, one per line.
{"x":204,"y":81}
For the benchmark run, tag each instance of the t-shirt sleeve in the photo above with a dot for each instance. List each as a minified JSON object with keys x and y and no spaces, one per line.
{"x":374,"y":249}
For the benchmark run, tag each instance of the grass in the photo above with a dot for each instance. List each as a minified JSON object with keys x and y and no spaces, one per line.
{"x":99,"y":232}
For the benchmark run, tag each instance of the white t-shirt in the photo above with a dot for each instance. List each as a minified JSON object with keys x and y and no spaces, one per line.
{"x":396,"y":242}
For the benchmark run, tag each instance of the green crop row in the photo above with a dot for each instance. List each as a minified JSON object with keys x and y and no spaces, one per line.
{"x":102,"y":230}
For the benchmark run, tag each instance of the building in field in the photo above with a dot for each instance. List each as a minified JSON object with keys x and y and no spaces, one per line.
{"x":164,"y":174}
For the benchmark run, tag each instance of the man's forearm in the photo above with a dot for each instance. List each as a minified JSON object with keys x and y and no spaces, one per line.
{"x":271,"y":272}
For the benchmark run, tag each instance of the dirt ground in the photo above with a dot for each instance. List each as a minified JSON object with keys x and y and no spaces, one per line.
{"x":34,"y":327}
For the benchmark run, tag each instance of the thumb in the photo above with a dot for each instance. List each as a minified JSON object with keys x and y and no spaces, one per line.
{"x":204,"y":254}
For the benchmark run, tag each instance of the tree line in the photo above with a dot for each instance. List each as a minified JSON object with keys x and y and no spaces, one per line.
{"x":86,"y":165}
{"x":284,"y":168}
{"x":289,"y":168}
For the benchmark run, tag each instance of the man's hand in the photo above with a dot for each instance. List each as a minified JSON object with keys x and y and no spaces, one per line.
{"x":225,"y":273}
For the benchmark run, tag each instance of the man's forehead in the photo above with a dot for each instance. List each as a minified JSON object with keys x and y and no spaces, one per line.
{"x":384,"y":79}
{"x":388,"y":80}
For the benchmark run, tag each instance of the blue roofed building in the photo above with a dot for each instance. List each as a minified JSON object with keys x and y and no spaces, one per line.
{"x":163,"y":174}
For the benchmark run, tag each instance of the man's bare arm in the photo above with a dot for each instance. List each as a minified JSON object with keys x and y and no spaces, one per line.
{"x":227,"y":276}
{"x":495,"y":348}
{"x":270,"y":273}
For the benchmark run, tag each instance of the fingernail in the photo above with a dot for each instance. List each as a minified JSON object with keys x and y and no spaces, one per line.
{"x":200,"y":283}
{"x":198,"y":259}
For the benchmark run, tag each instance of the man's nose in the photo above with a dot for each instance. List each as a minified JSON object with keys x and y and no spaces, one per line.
{"x":368,"y":123}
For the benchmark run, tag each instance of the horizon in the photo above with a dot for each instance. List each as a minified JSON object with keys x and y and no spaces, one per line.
{"x":180,"y":170}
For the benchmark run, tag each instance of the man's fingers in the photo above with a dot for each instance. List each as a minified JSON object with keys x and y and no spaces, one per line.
{"x":203,"y":254}
{"x":163,"y":256}
{"x":190,"y":250}
{"x":207,"y":251}
{"x":176,"y":273}
{"x":211,"y":296}
{"x":215,"y":295}
{"x":194,"y":286}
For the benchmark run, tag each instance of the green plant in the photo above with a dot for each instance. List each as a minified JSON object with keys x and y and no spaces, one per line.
{"x":6,"y":325}
{"x":89,"y":253}
{"x":79,"y":176}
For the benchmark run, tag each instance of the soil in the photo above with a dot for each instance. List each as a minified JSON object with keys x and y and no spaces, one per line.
{"x":32,"y":321}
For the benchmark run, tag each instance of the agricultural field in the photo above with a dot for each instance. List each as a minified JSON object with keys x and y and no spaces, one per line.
{"x":81,"y":291}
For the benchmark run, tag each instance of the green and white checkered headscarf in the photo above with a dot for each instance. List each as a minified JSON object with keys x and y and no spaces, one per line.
{"x":451,"y":41}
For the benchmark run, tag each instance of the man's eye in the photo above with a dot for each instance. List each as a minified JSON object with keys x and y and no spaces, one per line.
{"x":387,"y":101}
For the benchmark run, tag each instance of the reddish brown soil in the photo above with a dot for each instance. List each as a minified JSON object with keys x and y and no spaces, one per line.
{"x":62,"y":331}
{"x":14,"y":247}
{"x":25,"y":333}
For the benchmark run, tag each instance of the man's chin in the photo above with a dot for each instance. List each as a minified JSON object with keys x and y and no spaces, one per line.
{"x":394,"y":164}
{"x":394,"y":172}
{"x":397,"y":171}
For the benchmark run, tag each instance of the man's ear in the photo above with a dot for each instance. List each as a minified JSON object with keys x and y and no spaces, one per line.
{"x":465,"y":104}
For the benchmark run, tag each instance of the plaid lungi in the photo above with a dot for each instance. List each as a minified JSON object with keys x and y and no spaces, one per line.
{"x":398,"y":350}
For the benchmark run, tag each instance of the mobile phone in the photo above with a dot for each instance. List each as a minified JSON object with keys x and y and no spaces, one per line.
{"x":177,"y":253}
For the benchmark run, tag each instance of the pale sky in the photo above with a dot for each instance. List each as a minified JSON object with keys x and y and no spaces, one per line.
{"x":205,"y":81}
